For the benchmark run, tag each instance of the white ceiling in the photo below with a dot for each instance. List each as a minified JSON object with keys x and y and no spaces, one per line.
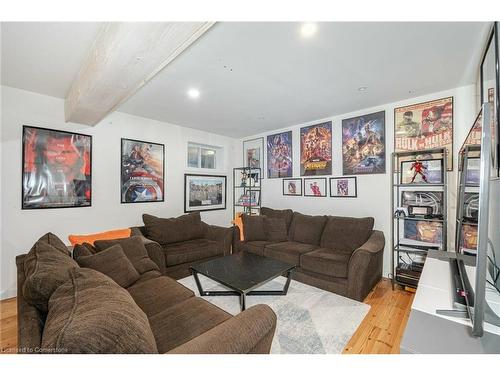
{"x":259,"y":76}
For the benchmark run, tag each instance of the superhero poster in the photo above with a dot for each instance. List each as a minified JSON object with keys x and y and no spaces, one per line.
{"x":425,"y":126}
{"x":316,"y":150}
{"x":142,"y":165}
{"x":363,"y":144}
{"x":56,"y":169}
{"x":279,"y":155}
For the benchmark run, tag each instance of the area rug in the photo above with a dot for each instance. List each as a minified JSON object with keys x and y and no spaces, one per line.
{"x":310,"y":320}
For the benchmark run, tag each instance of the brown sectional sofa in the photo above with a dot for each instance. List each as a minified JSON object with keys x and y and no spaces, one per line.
{"x":176,"y":244}
{"x":339,"y":254}
{"x":129,"y":307}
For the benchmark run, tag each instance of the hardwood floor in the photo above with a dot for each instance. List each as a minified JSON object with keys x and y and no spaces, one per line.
{"x":379,"y":333}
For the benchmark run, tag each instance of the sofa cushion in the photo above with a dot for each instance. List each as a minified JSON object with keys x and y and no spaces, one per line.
{"x":254,"y":227}
{"x":255,"y":247}
{"x":45,"y":268}
{"x":185,"y":321}
{"x":279,"y":214}
{"x":275,"y":229}
{"x":83,"y":249}
{"x":172,"y":230}
{"x":158,"y":294}
{"x":288,"y":252}
{"x":346,"y":233}
{"x":134,"y":249}
{"x":190,"y":251}
{"x":307,"y":228}
{"x":327,"y":262}
{"x":90,"y":313}
{"x":56,"y":242}
{"x":148,"y":276}
{"x":113,"y":263}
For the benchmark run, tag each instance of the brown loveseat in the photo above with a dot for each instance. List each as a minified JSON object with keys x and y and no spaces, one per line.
{"x":340,"y":254}
{"x":65,"y":308}
{"x":175,"y":244}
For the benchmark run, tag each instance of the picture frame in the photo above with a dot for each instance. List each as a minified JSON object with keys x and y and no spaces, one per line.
{"x":343,"y":187}
{"x":427,"y":198}
{"x":280,"y":155}
{"x":314,"y":187}
{"x":142,"y":171}
{"x":56,"y":169}
{"x":363,"y":144}
{"x":253,"y":153}
{"x":292,"y":186}
{"x":316,"y":149}
{"x":204,"y":192}
{"x":433,"y":172}
{"x":425,"y":126}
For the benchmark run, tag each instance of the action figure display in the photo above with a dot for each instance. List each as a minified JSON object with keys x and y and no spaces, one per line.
{"x":419,"y":169}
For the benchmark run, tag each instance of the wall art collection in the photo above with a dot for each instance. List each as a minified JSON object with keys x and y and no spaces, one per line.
{"x":316,"y":150}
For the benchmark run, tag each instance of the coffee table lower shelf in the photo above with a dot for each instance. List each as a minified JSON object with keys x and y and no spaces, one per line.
{"x":242,"y":293}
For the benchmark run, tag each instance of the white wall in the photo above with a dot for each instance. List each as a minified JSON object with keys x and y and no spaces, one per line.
{"x":21,"y":228}
{"x":373,"y":190}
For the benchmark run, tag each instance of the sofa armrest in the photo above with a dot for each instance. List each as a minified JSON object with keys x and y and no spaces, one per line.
{"x":365,"y":266}
{"x":224,"y":236}
{"x":154,"y":249}
{"x":237,"y":243}
{"x":251,"y":331}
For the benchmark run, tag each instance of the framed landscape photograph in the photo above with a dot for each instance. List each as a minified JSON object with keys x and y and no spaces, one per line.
{"x":253,"y":153}
{"x":204,"y":192}
{"x":292,"y":186}
{"x":422,"y":171}
{"x":279,"y":155}
{"x":363,"y":144}
{"x":343,"y":187}
{"x":425,"y":126}
{"x":142,"y":171}
{"x":56,"y":169}
{"x":315,"y":187}
{"x":316,"y":150}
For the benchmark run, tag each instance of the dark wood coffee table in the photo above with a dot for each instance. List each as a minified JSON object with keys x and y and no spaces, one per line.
{"x":242,"y":273}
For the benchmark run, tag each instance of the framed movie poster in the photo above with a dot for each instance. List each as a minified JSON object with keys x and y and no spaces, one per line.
{"x":253,"y":153}
{"x":204,"y":192}
{"x":279,"y":155}
{"x":316,"y":149}
{"x":315,"y":187}
{"x":142,"y":171}
{"x":363,"y":144}
{"x":56,"y":169}
{"x":292,"y":186}
{"x":343,"y":187}
{"x":422,"y":171}
{"x":425,"y":126}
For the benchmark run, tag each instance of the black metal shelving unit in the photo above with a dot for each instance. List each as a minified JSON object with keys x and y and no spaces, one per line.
{"x":405,"y":268}
{"x":245,"y":188}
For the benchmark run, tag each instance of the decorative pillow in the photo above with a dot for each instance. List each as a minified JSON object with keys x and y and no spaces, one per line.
{"x":83,"y":250}
{"x":78,"y":239}
{"x":307,"y":228}
{"x":254,"y":227}
{"x":134,"y":250}
{"x":91,"y":314}
{"x":275,"y":229}
{"x":45,"y":269}
{"x":113,"y":263}
{"x":279,"y":214}
{"x":166,"y":231}
{"x":346,"y":233}
{"x":56,"y":242}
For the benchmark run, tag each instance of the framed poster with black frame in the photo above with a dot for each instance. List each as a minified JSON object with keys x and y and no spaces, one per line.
{"x":489,"y":74}
{"x":343,"y":187}
{"x":142,"y":171}
{"x":292,"y":186}
{"x":204,"y":192}
{"x":315,"y":187}
{"x":253,"y":153}
{"x":56,"y":169}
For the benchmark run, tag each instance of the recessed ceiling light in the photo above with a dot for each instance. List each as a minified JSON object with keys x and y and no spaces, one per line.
{"x":193,"y":93}
{"x":362,"y":88}
{"x":308,"y":29}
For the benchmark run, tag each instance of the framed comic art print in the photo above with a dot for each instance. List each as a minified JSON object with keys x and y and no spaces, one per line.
{"x":56,"y":169}
{"x":142,"y":171}
{"x":343,"y":187}
{"x":253,"y":153}
{"x":292,"y":186}
{"x":315,"y":187}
